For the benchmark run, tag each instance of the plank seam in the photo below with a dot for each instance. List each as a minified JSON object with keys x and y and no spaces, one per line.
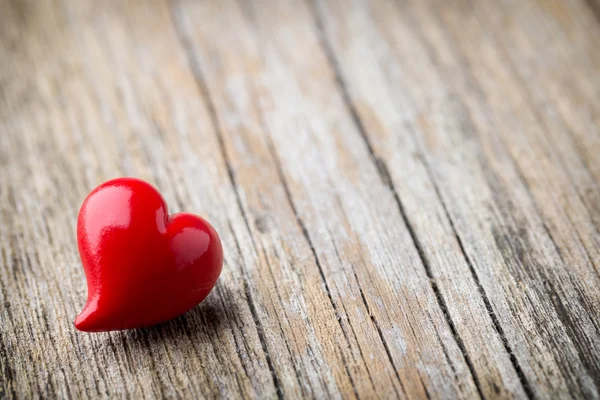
{"x":380,"y":333}
{"x":203,"y":89}
{"x":313,"y":251}
{"x":373,"y":321}
{"x":287,"y":344}
{"x":385,"y":176}
{"x":497,"y":326}
{"x":230,"y":320}
{"x":483,"y":294}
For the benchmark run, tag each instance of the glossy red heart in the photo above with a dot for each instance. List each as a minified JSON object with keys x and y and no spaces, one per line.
{"x":142,"y":266}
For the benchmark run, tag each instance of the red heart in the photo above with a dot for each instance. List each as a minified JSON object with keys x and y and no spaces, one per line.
{"x":142,"y":266}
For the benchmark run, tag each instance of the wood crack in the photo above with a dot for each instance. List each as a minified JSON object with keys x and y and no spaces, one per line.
{"x":230,"y":319}
{"x":380,"y":333}
{"x":261,"y":338}
{"x":287,"y":346}
{"x":486,"y":301}
{"x":255,"y":319}
{"x":306,"y":236}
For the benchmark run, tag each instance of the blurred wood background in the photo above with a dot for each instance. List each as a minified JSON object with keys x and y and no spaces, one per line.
{"x":407,"y":192}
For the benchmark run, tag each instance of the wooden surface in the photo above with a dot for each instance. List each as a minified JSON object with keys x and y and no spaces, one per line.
{"x":407,"y":193}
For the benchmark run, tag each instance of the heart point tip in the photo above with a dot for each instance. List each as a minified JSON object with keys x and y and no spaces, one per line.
{"x":81,"y":324}
{"x":86,"y":322}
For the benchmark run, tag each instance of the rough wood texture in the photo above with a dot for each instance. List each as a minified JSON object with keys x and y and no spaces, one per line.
{"x":407,"y":193}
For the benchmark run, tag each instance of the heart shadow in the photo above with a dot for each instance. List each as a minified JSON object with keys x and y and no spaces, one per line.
{"x":205,"y":324}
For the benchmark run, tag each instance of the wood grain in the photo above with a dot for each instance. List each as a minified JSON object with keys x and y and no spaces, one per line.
{"x":407,"y":194}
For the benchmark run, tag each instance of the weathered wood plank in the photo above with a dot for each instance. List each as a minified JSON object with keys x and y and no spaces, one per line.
{"x":554,"y":196}
{"x":393,"y":116}
{"x":434,"y":99}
